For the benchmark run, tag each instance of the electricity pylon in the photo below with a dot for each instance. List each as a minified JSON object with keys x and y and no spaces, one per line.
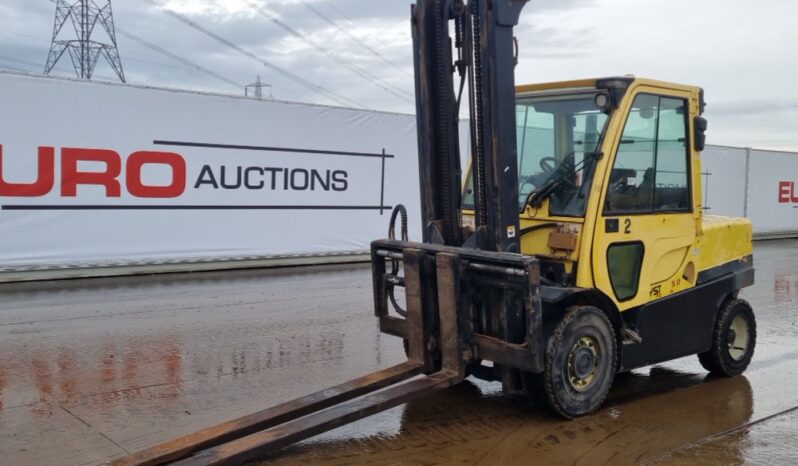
{"x":83,"y":51}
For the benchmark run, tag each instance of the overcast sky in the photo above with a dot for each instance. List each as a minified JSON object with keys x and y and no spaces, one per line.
{"x":359,"y":51}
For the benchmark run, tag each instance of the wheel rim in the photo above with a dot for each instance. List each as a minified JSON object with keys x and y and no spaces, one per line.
{"x":738,"y":337}
{"x":583,"y":362}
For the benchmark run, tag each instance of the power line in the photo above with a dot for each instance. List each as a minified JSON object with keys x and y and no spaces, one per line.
{"x":298,"y":79}
{"x":22,"y":34}
{"x":178,"y":58}
{"x":24,"y":62}
{"x":12,"y":68}
{"x":354,"y":38}
{"x":173,"y":66}
{"x":335,"y":8}
{"x":158,"y":63}
{"x":360,"y":71}
{"x":187,"y":63}
{"x":38,"y":66}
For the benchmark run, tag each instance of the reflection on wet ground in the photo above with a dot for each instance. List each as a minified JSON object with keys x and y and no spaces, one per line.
{"x":772,"y":441}
{"x":473,"y":424}
{"x":91,"y":369}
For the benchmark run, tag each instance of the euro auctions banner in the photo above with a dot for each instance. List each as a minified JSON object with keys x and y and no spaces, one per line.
{"x":111,"y":174}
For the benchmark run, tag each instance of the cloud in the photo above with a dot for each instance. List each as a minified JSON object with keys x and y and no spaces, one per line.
{"x":742,"y":55}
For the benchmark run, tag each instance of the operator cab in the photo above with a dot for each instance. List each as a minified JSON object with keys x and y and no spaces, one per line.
{"x":572,"y":176}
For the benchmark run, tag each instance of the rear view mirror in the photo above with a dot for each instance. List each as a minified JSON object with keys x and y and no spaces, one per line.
{"x":700,"y":128}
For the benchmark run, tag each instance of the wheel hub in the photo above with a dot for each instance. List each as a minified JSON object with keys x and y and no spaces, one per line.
{"x":583,"y":363}
{"x":737,"y":338}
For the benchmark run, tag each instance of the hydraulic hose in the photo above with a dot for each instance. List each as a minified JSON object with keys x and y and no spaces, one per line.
{"x":398,"y":211}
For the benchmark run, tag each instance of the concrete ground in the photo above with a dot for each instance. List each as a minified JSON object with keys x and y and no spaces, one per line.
{"x":92,"y":369}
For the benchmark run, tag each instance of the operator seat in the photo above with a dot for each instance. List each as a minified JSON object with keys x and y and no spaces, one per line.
{"x":645,"y":191}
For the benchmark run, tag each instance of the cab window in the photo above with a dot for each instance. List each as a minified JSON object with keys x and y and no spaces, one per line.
{"x":651,"y":173}
{"x":624,"y":261}
{"x":557,"y":136}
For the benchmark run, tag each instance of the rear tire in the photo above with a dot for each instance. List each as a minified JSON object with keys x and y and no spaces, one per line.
{"x":733,"y":340}
{"x":580,"y":362}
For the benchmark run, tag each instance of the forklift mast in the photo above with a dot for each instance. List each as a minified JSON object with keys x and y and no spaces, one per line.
{"x":485,"y":59}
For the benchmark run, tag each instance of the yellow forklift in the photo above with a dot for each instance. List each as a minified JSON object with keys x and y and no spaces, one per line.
{"x":577,"y":248}
{"x":632,"y":271}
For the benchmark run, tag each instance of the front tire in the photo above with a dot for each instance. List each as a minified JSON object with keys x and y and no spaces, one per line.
{"x":733,"y":340}
{"x":580,"y":362}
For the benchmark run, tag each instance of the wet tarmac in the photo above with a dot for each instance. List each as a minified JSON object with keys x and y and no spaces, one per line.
{"x":92,"y":369}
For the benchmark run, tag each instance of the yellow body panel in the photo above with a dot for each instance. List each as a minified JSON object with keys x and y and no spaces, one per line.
{"x":677,"y":245}
{"x":725,"y":239}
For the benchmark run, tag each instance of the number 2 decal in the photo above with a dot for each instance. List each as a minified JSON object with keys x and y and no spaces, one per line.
{"x":627,"y":226}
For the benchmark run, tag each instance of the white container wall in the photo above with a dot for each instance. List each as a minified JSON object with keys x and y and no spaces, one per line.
{"x":723,"y":170}
{"x":772,"y":195}
{"x":758,"y":184}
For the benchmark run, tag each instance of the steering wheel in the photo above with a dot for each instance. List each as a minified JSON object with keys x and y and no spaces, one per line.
{"x":547,"y":164}
{"x":526,"y":180}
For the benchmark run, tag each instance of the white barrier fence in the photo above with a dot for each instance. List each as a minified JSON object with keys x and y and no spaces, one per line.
{"x":97,"y":176}
{"x":758,"y":184}
{"x":105,"y":175}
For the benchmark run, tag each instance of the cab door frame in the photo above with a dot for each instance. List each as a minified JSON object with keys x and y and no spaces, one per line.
{"x":671,"y":234}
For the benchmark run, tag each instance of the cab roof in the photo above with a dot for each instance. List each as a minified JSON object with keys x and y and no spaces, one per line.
{"x":602,"y":83}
